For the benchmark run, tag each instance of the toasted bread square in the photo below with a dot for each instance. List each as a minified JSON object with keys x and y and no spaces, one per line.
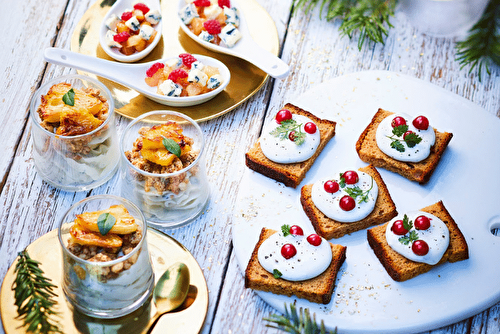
{"x":384,"y":210}
{"x":317,"y":290}
{"x":290,"y":174}
{"x":368,"y":151}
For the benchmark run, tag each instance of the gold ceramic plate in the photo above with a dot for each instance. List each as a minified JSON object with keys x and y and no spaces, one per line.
{"x":164,"y":252}
{"x":246,"y":79}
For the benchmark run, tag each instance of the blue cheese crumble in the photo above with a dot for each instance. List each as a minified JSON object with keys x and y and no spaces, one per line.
{"x":197,"y":76}
{"x":214,"y":81}
{"x":170,"y":88}
{"x":133,"y":24}
{"x":206,"y":36}
{"x":230,"y":35}
{"x":188,"y":13}
{"x":146,"y":32}
{"x":112,"y":22}
{"x":232,"y":16}
{"x":110,"y":41}
{"x":153,"y":16}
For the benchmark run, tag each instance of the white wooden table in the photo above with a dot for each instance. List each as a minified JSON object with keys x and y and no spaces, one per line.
{"x":315,"y":52}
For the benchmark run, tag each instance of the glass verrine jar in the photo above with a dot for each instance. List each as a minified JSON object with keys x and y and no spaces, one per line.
{"x":105,"y":281}
{"x":171,"y":191}
{"x":74,"y":161}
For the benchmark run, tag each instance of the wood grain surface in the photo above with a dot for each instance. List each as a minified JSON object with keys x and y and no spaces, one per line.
{"x":315,"y":51}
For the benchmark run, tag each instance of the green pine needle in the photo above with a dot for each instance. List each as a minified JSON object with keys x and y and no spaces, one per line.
{"x":482,"y":46}
{"x":34,"y":297}
{"x":297,"y":323}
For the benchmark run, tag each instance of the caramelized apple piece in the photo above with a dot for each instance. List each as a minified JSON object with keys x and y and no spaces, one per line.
{"x":153,"y":138}
{"x":125,"y":223}
{"x":75,"y":122}
{"x":83,"y":237}
{"x":158,"y":156}
{"x":197,"y":25}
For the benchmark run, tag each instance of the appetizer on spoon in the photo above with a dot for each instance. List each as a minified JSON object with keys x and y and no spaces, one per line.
{"x":219,"y":26}
{"x":178,"y":82}
{"x":131,"y":29}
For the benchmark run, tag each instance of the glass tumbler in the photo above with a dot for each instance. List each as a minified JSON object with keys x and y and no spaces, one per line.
{"x":166,"y":199}
{"x":80,"y":162}
{"x":112,"y":288}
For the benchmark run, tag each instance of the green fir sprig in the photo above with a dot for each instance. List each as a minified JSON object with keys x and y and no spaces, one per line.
{"x":34,"y":296}
{"x":297,"y":322}
{"x":369,"y":17}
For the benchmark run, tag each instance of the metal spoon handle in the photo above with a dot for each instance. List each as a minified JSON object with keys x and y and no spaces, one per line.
{"x":152,"y":323}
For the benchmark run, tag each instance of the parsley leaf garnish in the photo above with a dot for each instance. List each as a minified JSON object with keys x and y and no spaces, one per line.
{"x":342,"y":181}
{"x":400,"y":130}
{"x":69,"y":97}
{"x":410,"y":139}
{"x":286,"y":127}
{"x":355,"y":191}
{"x":397,"y":145}
{"x":277,"y":273}
{"x":407,"y":224}
{"x":172,"y":146}
{"x":285,"y":229}
{"x":405,"y":240}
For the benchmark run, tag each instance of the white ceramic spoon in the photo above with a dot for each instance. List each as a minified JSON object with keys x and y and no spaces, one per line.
{"x":246,"y":48}
{"x":118,"y":8}
{"x":133,"y":75}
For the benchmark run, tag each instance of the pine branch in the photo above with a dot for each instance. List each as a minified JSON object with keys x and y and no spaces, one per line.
{"x":482,"y":46}
{"x":369,"y":17}
{"x":34,"y":297}
{"x":297,"y":323}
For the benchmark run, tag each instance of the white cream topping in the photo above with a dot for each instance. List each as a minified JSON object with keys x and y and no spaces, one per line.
{"x":286,"y":151}
{"x":328,"y":203}
{"x":309,"y":262}
{"x":437,"y":236}
{"x":411,"y":154}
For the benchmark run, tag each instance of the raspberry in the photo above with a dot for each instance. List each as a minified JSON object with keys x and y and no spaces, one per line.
{"x":187,"y":59}
{"x":121,"y":37}
{"x":202,"y":3}
{"x":177,"y":74}
{"x":154,"y":68}
{"x":212,"y":27}
{"x":142,"y":7}
{"x":126,"y":16}
{"x":223,"y":3}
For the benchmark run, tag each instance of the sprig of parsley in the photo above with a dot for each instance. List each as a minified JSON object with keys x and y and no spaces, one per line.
{"x":412,"y":236}
{"x":356,"y":191}
{"x":277,"y":273}
{"x":286,"y":127}
{"x":285,"y":229}
{"x":410,"y":139}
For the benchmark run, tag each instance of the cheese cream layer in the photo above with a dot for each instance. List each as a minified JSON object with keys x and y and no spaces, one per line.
{"x":411,"y":154}
{"x":309,"y":262}
{"x":328,"y":203}
{"x":437,"y":237}
{"x":286,"y":151}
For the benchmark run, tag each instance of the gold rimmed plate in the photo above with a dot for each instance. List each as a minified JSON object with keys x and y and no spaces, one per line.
{"x":246,"y":79}
{"x":164,"y":252}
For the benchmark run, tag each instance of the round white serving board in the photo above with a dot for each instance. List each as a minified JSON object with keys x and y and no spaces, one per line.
{"x":467,"y":180}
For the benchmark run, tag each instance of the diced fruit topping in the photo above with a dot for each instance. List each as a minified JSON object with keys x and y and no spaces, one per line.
{"x":283,"y":115}
{"x":350,"y":177}
{"x":347,"y":203}
{"x":126,"y":16}
{"x":296,"y":230}
{"x":398,"y":121}
{"x":121,"y":37}
{"x":154,"y":68}
{"x":421,"y":123}
{"x":288,"y":251}
{"x":407,"y":133}
{"x":291,"y":135}
{"x":310,"y":128}
{"x":223,"y":3}
{"x":202,"y":3}
{"x":331,"y":186}
{"x":398,"y":228}
{"x":142,"y":7}
{"x":420,"y":247}
{"x":177,"y":74}
{"x":314,"y":239}
{"x":422,"y":223}
{"x":187,"y":59}
{"x":212,"y":27}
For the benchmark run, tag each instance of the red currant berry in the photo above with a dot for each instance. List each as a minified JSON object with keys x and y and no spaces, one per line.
{"x":202,"y":3}
{"x":121,"y":37}
{"x":422,"y":223}
{"x":177,"y":74}
{"x":347,"y":203}
{"x":212,"y":27}
{"x":291,"y":135}
{"x":314,"y":239}
{"x":142,"y":7}
{"x":126,"y":16}
{"x":288,"y":251}
{"x":310,"y":128}
{"x":407,"y":133}
{"x":223,"y":3}
{"x":187,"y":59}
{"x":421,"y":123}
{"x":331,"y":187}
{"x":283,"y":115}
{"x":397,"y":121}
{"x":296,"y":230}
{"x":350,"y":177}
{"x":154,"y":68}
{"x":420,"y":247}
{"x":398,"y":228}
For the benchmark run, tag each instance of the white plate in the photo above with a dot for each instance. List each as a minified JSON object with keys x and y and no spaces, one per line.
{"x":366,"y":299}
